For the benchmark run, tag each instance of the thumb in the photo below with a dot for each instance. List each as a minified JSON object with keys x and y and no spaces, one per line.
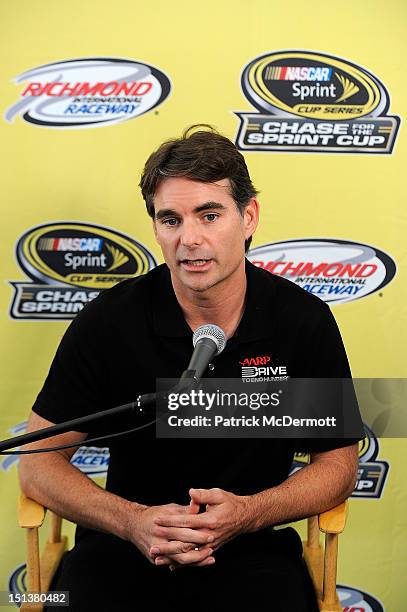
{"x":206,"y":496}
{"x":193,"y":507}
{"x":196,"y":496}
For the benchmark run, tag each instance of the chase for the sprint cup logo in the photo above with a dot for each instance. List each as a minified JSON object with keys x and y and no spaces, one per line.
{"x":310,"y":101}
{"x":69,"y":264}
{"x":88,"y":92}
{"x":372,"y":470}
{"x":334,"y":270}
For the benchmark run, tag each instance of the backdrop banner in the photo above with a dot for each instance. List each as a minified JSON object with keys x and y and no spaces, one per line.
{"x":313,"y":99}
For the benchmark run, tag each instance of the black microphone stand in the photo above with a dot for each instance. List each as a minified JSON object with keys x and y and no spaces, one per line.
{"x":187,"y":381}
{"x":73,"y":425}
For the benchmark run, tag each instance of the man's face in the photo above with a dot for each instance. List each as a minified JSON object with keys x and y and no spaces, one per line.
{"x":200,"y":231}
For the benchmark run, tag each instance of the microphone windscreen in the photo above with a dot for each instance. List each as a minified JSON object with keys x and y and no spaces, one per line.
{"x":213,"y":332}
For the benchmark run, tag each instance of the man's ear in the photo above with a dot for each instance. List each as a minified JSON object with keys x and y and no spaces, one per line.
{"x":251,"y":217}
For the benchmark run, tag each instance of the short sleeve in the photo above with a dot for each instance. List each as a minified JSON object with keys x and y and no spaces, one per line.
{"x":326,"y":356}
{"x":328,"y":359}
{"x":77,"y":379}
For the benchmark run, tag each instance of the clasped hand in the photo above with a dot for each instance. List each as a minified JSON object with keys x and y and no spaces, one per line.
{"x":177,"y":535}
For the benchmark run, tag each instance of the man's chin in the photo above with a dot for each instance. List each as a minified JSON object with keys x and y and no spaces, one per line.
{"x":199,"y":286}
{"x":198,"y":283}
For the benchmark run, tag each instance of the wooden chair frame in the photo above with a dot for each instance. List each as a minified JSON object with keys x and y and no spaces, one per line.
{"x":321,"y":560}
{"x":40,"y":572}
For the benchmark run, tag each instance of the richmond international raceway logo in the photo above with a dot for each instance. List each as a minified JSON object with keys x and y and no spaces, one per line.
{"x":334,"y":270}
{"x":70,"y":263}
{"x":372,"y":472}
{"x":88,"y":92}
{"x":310,"y":101}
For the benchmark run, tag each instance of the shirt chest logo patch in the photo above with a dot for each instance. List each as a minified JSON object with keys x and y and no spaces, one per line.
{"x":261,"y":369}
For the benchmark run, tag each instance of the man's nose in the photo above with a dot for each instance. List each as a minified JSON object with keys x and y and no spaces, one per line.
{"x":191,"y":235}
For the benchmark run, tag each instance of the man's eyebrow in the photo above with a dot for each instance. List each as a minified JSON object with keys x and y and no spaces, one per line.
{"x":210,"y":206}
{"x":169,"y":212}
{"x":165,"y":212}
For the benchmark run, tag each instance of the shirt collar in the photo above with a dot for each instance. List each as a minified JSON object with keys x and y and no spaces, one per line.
{"x":169,"y":321}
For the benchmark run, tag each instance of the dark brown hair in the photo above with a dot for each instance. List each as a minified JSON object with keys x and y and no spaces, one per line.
{"x":201,"y":154}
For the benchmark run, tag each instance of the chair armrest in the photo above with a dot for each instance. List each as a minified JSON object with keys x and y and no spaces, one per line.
{"x":333,"y":520}
{"x":322,"y":561}
{"x":40,"y":572}
{"x":31,"y":514}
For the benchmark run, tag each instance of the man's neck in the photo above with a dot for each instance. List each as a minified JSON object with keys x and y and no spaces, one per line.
{"x":222,"y":304}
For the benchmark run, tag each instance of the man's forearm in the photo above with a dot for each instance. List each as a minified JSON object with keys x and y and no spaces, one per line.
{"x":311,"y":490}
{"x":58,"y":485}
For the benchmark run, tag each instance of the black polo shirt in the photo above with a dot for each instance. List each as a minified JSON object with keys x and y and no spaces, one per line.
{"x":135,"y":332}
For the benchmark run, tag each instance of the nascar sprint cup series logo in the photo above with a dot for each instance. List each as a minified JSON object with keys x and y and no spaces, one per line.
{"x":70,"y":263}
{"x":334,"y":270}
{"x":311,"y":101}
{"x":88,"y":92}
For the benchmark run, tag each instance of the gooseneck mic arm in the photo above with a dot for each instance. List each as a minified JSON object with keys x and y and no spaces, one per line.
{"x":77,"y":424}
{"x":209,"y":340}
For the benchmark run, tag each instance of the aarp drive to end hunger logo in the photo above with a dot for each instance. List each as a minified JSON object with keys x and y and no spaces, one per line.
{"x":88,"y":92}
{"x":334,"y":270}
{"x":70,"y":263}
{"x":310,"y":101}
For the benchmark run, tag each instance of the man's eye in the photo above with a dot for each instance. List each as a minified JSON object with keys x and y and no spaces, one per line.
{"x":211,"y":216}
{"x":171,"y":221}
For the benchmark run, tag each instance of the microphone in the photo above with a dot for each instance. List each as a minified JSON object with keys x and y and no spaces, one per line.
{"x":209,"y":340}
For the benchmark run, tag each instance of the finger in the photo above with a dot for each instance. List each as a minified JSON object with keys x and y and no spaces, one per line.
{"x":205,"y":562}
{"x":189,"y":521}
{"x":207,"y":496}
{"x":193,"y":507}
{"x":183,"y":534}
{"x":172,"y":548}
{"x":190,"y":558}
{"x":163,"y":561}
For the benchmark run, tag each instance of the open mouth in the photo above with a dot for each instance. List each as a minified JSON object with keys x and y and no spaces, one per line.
{"x":195,"y":262}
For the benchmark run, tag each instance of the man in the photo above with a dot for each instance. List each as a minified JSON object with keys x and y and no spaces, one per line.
{"x":147,"y":522}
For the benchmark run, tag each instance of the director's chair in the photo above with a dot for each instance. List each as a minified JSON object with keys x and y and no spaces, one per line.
{"x":321,"y":560}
